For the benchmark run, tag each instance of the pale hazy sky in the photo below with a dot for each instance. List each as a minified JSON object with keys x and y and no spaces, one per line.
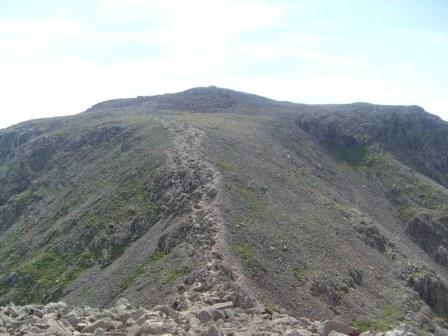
{"x":60,"y":57}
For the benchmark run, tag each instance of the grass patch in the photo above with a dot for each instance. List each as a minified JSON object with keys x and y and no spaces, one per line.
{"x":389,"y":318}
{"x":224,"y":166}
{"x":170,"y":276}
{"x":153,"y":259}
{"x":407,"y":213}
{"x":58,"y":133}
{"x":245,"y":252}
{"x":47,"y":275}
{"x":159,"y":255}
{"x":24,"y":195}
{"x":300,"y":274}
{"x":256,"y":204}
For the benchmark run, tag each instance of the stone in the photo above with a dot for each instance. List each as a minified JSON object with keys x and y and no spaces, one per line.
{"x":288,"y":320}
{"x":105,"y":323}
{"x":229,"y":313}
{"x":204,"y":316}
{"x":292,"y":332}
{"x":167,"y":310}
{"x":441,"y":332}
{"x":99,"y":332}
{"x":129,"y":322}
{"x":194,"y":322}
{"x":218,"y":315}
{"x":334,"y":325}
{"x":57,"y":328}
{"x":122,"y":303}
{"x":122,"y":316}
{"x":258,"y":309}
{"x":222,"y":305}
{"x":394,"y":332}
{"x":304,"y":321}
{"x":56,"y":307}
{"x":72,"y":318}
{"x":140,"y":312}
{"x":152,"y":328}
{"x":212,"y":331}
{"x":335,"y":333}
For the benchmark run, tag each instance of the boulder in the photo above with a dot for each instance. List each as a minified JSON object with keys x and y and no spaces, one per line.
{"x":122,"y":303}
{"x":212,"y":331}
{"x":55,"y":307}
{"x":99,"y":332}
{"x":167,"y":310}
{"x":105,"y":323}
{"x":204,"y":316}
{"x":338,"y":326}
{"x":441,"y":332}
{"x":57,"y":328}
{"x":152,"y":328}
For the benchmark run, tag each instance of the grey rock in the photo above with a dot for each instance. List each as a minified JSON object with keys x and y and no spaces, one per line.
{"x":335,"y":333}
{"x":57,"y":328}
{"x":205,"y":316}
{"x":334,"y":325}
{"x":122,"y":303}
{"x":152,"y":328}
{"x":292,"y":332}
{"x":72,"y":318}
{"x":105,"y":323}
{"x":218,"y":315}
{"x":167,"y":310}
{"x":212,"y":331}
{"x":55,"y":307}
{"x":122,"y":316}
{"x":223,"y":305}
{"x":441,"y":332}
{"x":99,"y":332}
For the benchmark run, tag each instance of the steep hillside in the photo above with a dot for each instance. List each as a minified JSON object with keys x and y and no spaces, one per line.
{"x":212,"y":195}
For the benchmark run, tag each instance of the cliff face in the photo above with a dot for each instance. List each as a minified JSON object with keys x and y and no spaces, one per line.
{"x":320,"y":211}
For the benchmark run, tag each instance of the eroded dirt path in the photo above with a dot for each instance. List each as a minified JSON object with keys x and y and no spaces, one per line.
{"x":220,"y":277}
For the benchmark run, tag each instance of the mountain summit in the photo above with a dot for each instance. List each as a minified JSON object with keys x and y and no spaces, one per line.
{"x":212,"y":195}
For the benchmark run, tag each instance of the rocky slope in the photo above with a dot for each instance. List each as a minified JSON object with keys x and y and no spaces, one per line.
{"x":211,"y":196}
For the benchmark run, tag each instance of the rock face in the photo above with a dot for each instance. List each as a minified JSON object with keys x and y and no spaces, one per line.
{"x":432,"y":290}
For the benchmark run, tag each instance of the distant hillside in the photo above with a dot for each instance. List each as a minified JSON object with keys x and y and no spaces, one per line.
{"x":316,"y":210}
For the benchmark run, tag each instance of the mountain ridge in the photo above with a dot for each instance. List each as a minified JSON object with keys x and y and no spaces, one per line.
{"x":116,"y":201}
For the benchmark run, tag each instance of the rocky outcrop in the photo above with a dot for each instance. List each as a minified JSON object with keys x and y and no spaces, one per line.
{"x":430,"y":234}
{"x":432,"y":290}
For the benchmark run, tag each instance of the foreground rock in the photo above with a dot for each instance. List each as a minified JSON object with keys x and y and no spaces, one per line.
{"x":125,"y":319}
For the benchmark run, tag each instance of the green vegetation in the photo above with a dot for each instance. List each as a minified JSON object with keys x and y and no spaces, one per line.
{"x":389,"y":318}
{"x":159,"y":255}
{"x":97,"y":188}
{"x":407,"y":213}
{"x":153,"y":259}
{"x":256,"y":204}
{"x":301,"y":274}
{"x":225,"y":166}
{"x":58,"y":133}
{"x":170,"y":276}
{"x":243,"y":124}
{"x":245,"y":252}
{"x":24,"y":195}
{"x":45,"y":277}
